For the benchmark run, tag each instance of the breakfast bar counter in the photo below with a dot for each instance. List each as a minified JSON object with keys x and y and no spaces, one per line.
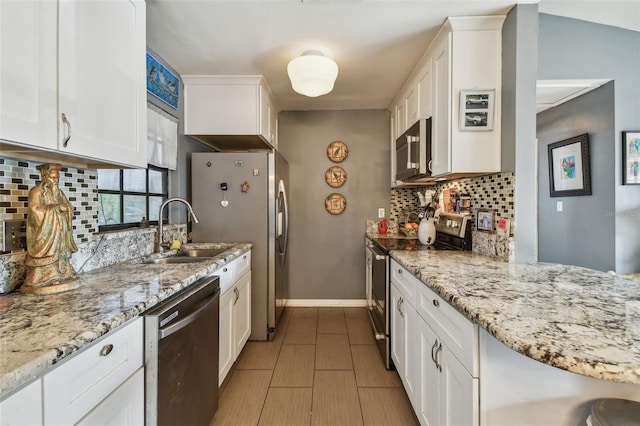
{"x":576,"y":319}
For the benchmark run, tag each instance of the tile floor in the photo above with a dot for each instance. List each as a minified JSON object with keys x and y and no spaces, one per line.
{"x":322,"y":368}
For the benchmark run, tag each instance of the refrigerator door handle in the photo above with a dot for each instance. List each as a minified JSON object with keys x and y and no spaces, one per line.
{"x":283,"y":222}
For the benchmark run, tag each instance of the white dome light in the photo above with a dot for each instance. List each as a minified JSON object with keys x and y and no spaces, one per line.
{"x":312,"y":74}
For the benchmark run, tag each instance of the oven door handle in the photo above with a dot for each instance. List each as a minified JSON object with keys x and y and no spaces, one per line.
{"x":380,"y":257}
{"x":200,"y":309}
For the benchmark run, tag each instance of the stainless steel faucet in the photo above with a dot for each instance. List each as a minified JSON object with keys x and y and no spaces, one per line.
{"x":160,"y":246}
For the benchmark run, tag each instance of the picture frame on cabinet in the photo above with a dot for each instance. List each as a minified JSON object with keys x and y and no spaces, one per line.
{"x":484,"y":220}
{"x":476,"y":110}
{"x":162,"y":83}
{"x":631,"y":157}
{"x":569,"y":167}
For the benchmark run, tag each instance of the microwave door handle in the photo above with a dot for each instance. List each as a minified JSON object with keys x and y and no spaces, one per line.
{"x":411,"y":140}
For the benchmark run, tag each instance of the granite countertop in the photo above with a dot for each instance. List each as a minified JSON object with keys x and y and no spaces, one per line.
{"x":36,"y":332}
{"x":573,"y":318}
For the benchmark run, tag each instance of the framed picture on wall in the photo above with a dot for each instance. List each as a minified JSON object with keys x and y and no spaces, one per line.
{"x":484,"y":220}
{"x":569,"y":167}
{"x":476,"y":110}
{"x":631,"y":157}
{"x":162,"y":83}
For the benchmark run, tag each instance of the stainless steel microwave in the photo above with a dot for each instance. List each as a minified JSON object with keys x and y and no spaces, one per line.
{"x":413,"y":151}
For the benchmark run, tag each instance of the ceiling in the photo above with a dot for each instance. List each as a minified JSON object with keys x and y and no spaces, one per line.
{"x":376,"y":43}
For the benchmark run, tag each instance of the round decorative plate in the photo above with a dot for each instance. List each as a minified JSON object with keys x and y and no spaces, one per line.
{"x":335,"y":203}
{"x":337,"y":151}
{"x":335,"y":176}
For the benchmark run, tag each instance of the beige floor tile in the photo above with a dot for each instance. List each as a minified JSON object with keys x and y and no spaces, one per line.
{"x":259,"y":355}
{"x":369,"y":369}
{"x":360,"y":329}
{"x":333,"y":352}
{"x":335,"y":399}
{"x":331,"y":321}
{"x":287,"y":406}
{"x":355,"y":312}
{"x":295,"y":366}
{"x":386,"y":407}
{"x":302,"y":327}
{"x":243,"y":397}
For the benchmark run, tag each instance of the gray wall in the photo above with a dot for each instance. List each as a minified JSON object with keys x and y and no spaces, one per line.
{"x":569,"y":48}
{"x":180,"y":179}
{"x":582,"y":234}
{"x":327,"y":251}
{"x":518,"y":123}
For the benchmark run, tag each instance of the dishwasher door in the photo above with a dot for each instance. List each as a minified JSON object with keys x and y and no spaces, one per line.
{"x":181,"y":355}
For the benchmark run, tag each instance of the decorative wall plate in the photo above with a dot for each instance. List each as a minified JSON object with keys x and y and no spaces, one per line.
{"x":335,"y":203}
{"x":337,"y":151}
{"x":335,"y":176}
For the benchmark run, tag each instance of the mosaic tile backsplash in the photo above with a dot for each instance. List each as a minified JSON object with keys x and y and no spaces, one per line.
{"x":80,"y":186}
{"x":490,"y":192}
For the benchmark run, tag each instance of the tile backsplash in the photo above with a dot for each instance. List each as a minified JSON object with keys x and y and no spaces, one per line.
{"x":492,"y":192}
{"x":80,"y":186}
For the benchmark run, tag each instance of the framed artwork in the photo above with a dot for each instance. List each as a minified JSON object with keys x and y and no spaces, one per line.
{"x":337,"y":151}
{"x":631,"y":157}
{"x":335,"y":203}
{"x":484,"y":220}
{"x":569,"y":167}
{"x":476,"y":110}
{"x":335,"y":176}
{"x":162,"y":83}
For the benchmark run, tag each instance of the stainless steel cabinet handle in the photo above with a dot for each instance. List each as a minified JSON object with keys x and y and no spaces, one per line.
{"x":433,"y":355}
{"x":400,"y":303}
{"x":106,"y":350}
{"x":436,"y":303}
{"x":429,"y":166}
{"x":235,"y":290}
{"x":439,"y":351}
{"x":68,"y":125}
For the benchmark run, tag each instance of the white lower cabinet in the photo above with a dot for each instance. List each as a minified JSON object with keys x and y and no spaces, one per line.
{"x":123,"y":407}
{"x":442,"y":384}
{"x":81,"y":384}
{"x":235,"y":312}
{"x":23,"y":407}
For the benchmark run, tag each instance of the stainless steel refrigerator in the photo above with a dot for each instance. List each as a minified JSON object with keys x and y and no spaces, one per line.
{"x":242,"y":197}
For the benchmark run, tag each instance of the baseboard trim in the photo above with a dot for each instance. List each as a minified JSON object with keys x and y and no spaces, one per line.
{"x":337,"y":303}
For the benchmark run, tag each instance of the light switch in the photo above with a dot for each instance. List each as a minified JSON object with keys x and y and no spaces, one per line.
{"x":559,"y":206}
{"x":381,"y":213}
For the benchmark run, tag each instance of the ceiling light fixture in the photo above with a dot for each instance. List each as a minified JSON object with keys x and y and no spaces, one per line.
{"x":312,"y":74}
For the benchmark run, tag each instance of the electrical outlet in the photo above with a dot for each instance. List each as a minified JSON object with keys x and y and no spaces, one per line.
{"x":14,"y":233}
{"x":381,"y":213}
{"x":559,"y":206}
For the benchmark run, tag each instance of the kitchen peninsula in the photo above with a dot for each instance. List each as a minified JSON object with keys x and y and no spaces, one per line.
{"x":575,"y":319}
{"x":38,"y":333}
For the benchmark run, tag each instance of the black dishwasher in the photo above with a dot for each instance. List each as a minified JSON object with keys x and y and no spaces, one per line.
{"x":181,"y":356}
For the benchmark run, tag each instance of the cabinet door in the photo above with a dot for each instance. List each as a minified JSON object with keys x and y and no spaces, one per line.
{"x":23,"y":407}
{"x":397,"y":330}
{"x":441,"y":131}
{"x":411,"y":376}
{"x":242,"y":307}
{"x":411,"y":105}
{"x":226,"y":341}
{"x":123,"y":407}
{"x":401,"y":119}
{"x":28,"y":99}
{"x":101,"y":81}
{"x":429,"y":374}
{"x":459,"y":403}
{"x":265,"y":114}
{"x":425,"y":92}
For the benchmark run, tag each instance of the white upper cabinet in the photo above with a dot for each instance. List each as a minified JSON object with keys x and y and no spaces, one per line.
{"x":72,"y":81}
{"x":230,"y":111}
{"x":102,"y":88}
{"x":28,"y":93}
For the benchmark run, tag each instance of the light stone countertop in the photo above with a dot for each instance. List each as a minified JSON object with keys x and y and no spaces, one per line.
{"x":573,"y":318}
{"x":36,"y":332}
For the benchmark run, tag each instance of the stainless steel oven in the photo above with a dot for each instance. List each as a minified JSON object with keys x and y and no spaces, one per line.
{"x":378,"y":298}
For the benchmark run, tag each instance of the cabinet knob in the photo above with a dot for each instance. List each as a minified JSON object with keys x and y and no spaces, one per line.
{"x":106,"y":350}
{"x":400,"y":271}
{"x":436,"y":303}
{"x":225,"y":269}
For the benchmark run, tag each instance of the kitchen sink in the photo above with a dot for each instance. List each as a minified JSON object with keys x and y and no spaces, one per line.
{"x":176,"y":259}
{"x":202,"y":252}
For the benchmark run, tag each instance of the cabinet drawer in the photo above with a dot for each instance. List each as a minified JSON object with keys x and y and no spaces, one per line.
{"x":458,"y":333}
{"x":74,"y":388}
{"x":405,"y":280}
{"x":226,"y":276}
{"x":242,"y":265}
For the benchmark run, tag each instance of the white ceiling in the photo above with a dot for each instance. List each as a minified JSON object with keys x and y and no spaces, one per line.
{"x":376,"y":43}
